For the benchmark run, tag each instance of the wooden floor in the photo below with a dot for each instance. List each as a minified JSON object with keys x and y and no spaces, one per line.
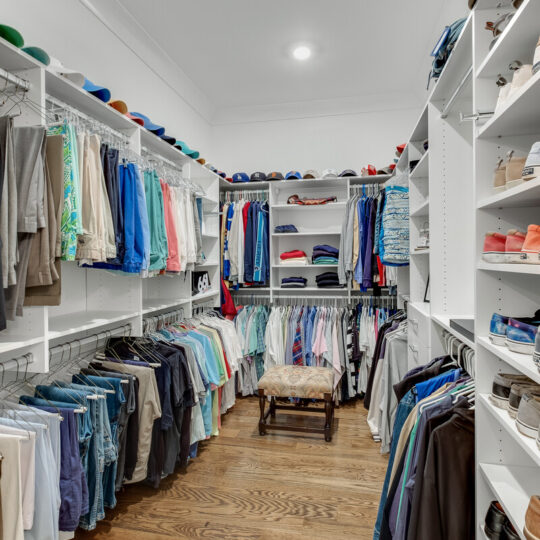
{"x":246,"y":487}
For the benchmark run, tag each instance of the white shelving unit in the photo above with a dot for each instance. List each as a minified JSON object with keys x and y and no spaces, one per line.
{"x":94,"y":300}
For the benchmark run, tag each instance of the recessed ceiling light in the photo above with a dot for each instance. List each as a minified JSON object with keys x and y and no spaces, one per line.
{"x":301,"y":52}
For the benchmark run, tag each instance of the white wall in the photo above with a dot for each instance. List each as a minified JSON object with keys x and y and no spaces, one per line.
{"x":348,"y":141}
{"x":116,"y":54}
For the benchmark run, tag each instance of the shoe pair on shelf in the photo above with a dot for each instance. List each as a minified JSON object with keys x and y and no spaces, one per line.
{"x":513,"y":247}
{"x":519,"y":334}
{"x":515,"y":170}
{"x":520,"y":397}
{"x":497,"y":525}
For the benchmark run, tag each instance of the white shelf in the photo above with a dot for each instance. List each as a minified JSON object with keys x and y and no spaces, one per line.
{"x":206,"y":235}
{"x":444,"y":321}
{"x":158,"y":146}
{"x":207,"y":264}
{"x":522,"y":195}
{"x":248,"y":290}
{"x":403,"y":161}
{"x":517,"y":41}
{"x":157,"y":304}
{"x":421,"y":171}
{"x":422,"y":307}
{"x":309,"y":233}
{"x":528,"y":444}
{"x":72,"y":323}
{"x":521,"y":362}
{"x":277,"y":265}
{"x":457,"y":65}
{"x":512,"y":487}
{"x":204,"y":296}
{"x":14,"y":59}
{"x":330,"y":205}
{"x":520,"y":115}
{"x":420,"y":252}
{"x":420,"y":130}
{"x":516,"y":268}
{"x":230,"y":186}
{"x":422,"y":210}
{"x":310,"y":289}
{"x":12,"y":343}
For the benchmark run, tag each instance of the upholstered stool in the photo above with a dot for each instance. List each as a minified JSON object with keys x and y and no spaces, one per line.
{"x":298,"y":382}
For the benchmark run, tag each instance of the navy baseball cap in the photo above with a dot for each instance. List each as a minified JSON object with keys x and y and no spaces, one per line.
{"x":258,"y":177}
{"x":348,"y":172}
{"x":222,"y":174}
{"x":148,"y":124}
{"x":293,"y":174}
{"x":275,"y":176}
{"x":240,"y":177}
{"x":168,"y":139}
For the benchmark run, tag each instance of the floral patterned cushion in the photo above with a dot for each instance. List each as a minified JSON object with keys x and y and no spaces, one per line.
{"x":297,"y":381}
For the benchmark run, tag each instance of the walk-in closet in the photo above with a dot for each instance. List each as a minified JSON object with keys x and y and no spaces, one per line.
{"x":270,"y":270}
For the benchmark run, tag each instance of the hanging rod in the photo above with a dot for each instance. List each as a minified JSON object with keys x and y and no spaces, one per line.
{"x":22,"y":84}
{"x":457,"y":92}
{"x":62,"y":105}
{"x":7,"y":365}
{"x":94,"y":339}
{"x":159,"y":157}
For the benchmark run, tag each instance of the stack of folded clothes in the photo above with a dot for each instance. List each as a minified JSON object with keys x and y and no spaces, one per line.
{"x":293,"y":283}
{"x":285,"y":229}
{"x":328,"y":280}
{"x":324,"y":254}
{"x":293,"y":258}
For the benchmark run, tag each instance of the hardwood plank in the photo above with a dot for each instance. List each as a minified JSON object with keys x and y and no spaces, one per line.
{"x":241,"y":486}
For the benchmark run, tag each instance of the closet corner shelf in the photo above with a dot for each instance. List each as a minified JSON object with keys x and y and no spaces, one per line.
{"x":328,"y":206}
{"x":421,"y":170}
{"x":457,"y":65}
{"x":533,"y":269}
{"x":204,"y":296}
{"x":403,"y":161}
{"x":517,"y":41}
{"x":420,"y":130}
{"x":72,"y":323}
{"x":422,"y":307}
{"x":422,"y":210}
{"x":520,"y":115}
{"x":522,"y":362}
{"x":12,"y":343}
{"x":444,"y":321}
{"x":526,"y":194}
{"x":512,"y":486}
{"x":528,"y":444}
{"x":157,"y":304}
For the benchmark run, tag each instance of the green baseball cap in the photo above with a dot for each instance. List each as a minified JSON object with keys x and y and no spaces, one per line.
{"x":39,"y":54}
{"x":10,"y":34}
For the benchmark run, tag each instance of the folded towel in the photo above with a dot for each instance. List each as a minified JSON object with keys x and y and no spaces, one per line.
{"x":294,"y":261}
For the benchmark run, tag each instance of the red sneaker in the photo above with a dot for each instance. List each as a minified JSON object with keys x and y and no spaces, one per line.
{"x":494,"y":248}
{"x":514,"y":243}
{"x":530,"y":252}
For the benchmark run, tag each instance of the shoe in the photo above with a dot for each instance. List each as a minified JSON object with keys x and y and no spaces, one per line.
{"x":499,"y":177}
{"x":494,"y":248}
{"x":536,"y":353}
{"x":531,"y":168}
{"x":502,"y":385}
{"x":495,"y":520}
{"x":531,"y":530}
{"x":514,"y":243}
{"x":517,"y":391}
{"x":508,"y":532}
{"x":498,"y":326}
{"x":504,"y":93}
{"x":522,"y":74}
{"x":528,"y":416}
{"x":530,"y":251}
{"x":514,"y":170}
{"x":521,"y":336}
{"x":536,"y":61}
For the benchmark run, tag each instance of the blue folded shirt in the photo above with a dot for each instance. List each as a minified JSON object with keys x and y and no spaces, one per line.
{"x":285,"y":229}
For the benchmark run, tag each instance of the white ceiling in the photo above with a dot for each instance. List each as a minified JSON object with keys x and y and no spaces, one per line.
{"x":237,"y":52}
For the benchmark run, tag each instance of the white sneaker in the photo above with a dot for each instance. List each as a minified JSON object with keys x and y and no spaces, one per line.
{"x":536,"y":61}
{"x":532,"y":165}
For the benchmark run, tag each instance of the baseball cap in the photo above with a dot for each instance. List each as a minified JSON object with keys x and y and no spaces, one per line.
{"x":149,"y":125}
{"x":240,"y":177}
{"x":400,"y":148}
{"x":38,"y":53}
{"x":275,"y":176}
{"x":293,"y":174}
{"x":312,"y":173}
{"x":329,"y":173}
{"x":119,"y":105}
{"x":168,"y":138}
{"x":222,"y":174}
{"x":258,"y":177}
{"x":385,"y":170}
{"x":208,"y":165}
{"x":102,"y":93}
{"x":201,"y":160}
{"x":12,"y":35}
{"x":186,"y":149}
{"x":348,"y":172}
{"x":136,"y":119}
{"x":76,"y":77}
{"x":229,"y":179}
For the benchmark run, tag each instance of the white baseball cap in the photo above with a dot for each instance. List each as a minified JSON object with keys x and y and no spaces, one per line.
{"x":76,"y":77}
{"x":311,"y":173}
{"x":329,"y":173}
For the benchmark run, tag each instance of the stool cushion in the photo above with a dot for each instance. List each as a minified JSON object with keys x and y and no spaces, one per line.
{"x":297,"y":381}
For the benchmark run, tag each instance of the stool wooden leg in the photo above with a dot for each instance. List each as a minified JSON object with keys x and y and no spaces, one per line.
{"x":273,"y":407}
{"x":329,"y":413}
{"x":262,"y":423}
